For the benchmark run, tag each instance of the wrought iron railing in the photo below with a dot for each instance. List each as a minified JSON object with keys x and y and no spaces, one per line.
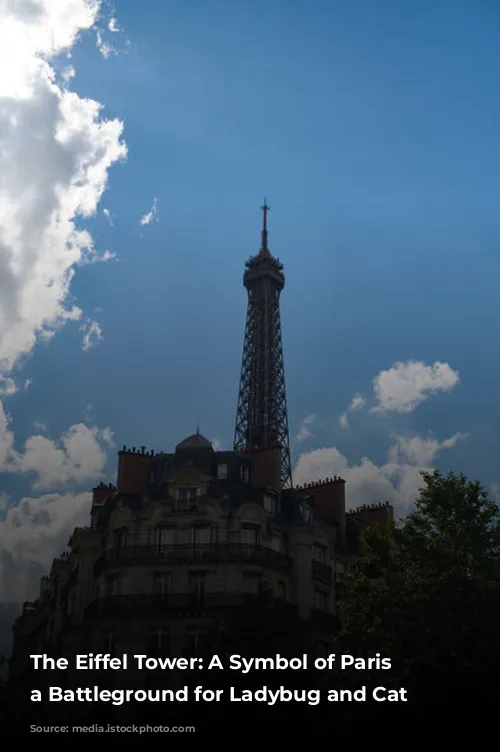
{"x":322,"y":571}
{"x":325,"y":619}
{"x":195,"y":553}
{"x":69,"y":585}
{"x":167,"y":603}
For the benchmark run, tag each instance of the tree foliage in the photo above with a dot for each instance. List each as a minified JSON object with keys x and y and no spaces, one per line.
{"x":427,"y":595}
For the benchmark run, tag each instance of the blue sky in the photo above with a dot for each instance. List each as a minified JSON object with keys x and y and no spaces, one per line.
{"x":372,"y":129}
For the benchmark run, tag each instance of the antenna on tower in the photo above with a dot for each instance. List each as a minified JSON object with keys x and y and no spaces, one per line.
{"x":265,"y":208}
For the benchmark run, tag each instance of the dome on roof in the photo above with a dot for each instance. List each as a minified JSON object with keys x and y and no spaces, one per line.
{"x":196,"y":441}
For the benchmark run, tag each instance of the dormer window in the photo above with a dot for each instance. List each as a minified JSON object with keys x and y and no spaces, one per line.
{"x":120,"y":541}
{"x":186,"y":499}
{"x":270,"y":504}
{"x":222,"y":472}
{"x":306,"y":512}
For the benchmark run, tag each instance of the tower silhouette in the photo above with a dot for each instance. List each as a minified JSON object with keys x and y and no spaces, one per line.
{"x":261,"y":416}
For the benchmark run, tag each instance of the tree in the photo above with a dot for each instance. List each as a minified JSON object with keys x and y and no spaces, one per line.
{"x":427,"y":595}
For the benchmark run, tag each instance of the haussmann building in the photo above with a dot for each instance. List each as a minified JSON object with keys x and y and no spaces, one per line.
{"x":187,"y":536}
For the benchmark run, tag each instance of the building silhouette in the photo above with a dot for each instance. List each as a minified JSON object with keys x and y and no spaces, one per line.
{"x":186,"y":538}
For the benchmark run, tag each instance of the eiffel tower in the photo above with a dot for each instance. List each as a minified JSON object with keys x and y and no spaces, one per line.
{"x":261,"y":416}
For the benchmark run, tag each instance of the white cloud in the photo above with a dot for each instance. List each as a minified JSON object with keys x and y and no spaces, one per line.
{"x":356,"y":403}
{"x":105,"y":48}
{"x":150,"y":216}
{"x":397,"y":481}
{"x":108,"y":216}
{"x":7,"y":386}
{"x":406,"y":385}
{"x":305,"y":428}
{"x":40,"y":427}
{"x":34,"y":530}
{"x":78,"y":456}
{"x":31,"y":534}
{"x":67,"y":73}
{"x":416,"y":450}
{"x":92,"y":335}
{"x":4,"y":502}
{"x":98,"y":258}
{"x":55,"y":153}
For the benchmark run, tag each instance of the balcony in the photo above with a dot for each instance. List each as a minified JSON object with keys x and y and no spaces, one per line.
{"x":70,"y":584}
{"x":322,"y":571}
{"x":230,"y":552}
{"x":325,"y":619}
{"x":339,"y":585}
{"x":165,"y":604}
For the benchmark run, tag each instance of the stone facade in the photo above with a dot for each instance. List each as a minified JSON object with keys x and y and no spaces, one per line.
{"x":180,"y":542}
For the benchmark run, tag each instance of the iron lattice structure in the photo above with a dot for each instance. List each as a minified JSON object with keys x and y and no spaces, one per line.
{"x":261,"y":416}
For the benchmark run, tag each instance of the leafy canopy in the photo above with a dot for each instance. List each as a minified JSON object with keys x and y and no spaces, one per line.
{"x":427,"y":593}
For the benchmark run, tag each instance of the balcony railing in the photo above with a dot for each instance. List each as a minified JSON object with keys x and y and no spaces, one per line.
{"x":167,"y":603}
{"x":195,"y":553}
{"x":70,"y":584}
{"x":325,"y":619}
{"x":322,"y":571}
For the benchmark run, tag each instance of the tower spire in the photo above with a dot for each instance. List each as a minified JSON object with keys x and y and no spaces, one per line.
{"x":265,"y":208}
{"x":261,"y":415}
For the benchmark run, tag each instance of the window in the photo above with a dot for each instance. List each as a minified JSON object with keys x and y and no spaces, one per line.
{"x":245,"y":473}
{"x":248,"y":542}
{"x":251,"y":584}
{"x":201,"y":538}
{"x":186,"y":499}
{"x":276,"y":543}
{"x":222,"y":472}
{"x":218,"y":585}
{"x":198,"y":586}
{"x":306,"y":513}
{"x":319,"y":554}
{"x":166,"y":540}
{"x":320,"y":600}
{"x":158,"y":642}
{"x":249,"y":536}
{"x":281,"y":592}
{"x":162,"y":583}
{"x":113,"y":586}
{"x":270,"y":504}
{"x":108,"y":644}
{"x":121,"y":542}
{"x":195,"y":638}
